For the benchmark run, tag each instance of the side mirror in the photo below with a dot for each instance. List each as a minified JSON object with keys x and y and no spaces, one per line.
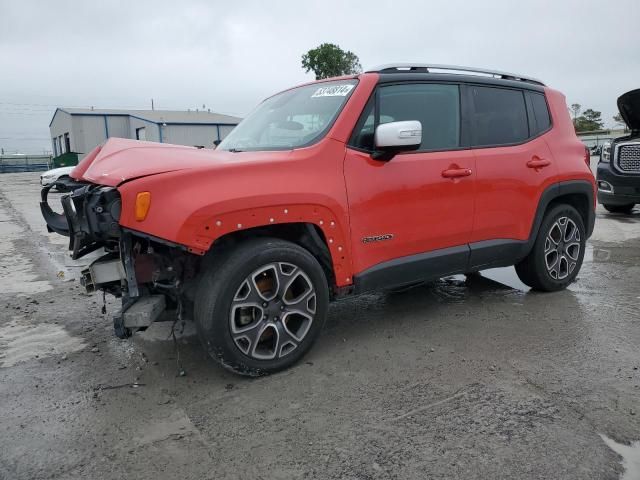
{"x":393,"y":137}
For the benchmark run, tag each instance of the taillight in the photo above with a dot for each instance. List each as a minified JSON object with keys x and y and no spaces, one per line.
{"x":587,"y":156}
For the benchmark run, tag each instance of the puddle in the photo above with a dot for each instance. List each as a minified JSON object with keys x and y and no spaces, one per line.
{"x":593,"y":254}
{"x":616,"y":228}
{"x":506,"y":276}
{"x":630,"y":457}
{"x":19,"y":342}
{"x":450,"y":289}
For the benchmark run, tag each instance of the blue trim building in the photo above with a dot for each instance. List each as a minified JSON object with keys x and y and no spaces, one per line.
{"x":79,"y":130}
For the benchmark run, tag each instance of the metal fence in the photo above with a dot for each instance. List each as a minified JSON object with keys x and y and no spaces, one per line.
{"x":24,"y":163}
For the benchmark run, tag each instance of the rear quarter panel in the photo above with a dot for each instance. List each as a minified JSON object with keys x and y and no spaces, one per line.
{"x":567,"y":149}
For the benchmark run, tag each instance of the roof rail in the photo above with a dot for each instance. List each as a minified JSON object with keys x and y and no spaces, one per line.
{"x":428,"y":67}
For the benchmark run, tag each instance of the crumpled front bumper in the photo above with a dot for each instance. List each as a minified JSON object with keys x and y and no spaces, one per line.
{"x":90,"y":215}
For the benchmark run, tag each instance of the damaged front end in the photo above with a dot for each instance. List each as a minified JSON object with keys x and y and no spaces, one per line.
{"x":148,"y":274}
{"x":90,"y":215}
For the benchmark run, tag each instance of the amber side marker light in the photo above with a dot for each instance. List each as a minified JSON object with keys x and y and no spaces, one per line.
{"x":143,"y":202}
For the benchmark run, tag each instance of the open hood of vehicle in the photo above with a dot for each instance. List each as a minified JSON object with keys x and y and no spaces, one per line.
{"x":629,"y":106}
{"x":119,"y":160}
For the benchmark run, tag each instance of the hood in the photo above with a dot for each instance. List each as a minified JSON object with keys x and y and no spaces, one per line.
{"x":119,"y":160}
{"x":629,"y":106}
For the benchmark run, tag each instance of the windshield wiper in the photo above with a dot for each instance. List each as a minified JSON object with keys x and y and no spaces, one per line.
{"x":235,"y":150}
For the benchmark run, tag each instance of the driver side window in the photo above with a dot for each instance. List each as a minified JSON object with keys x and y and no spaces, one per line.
{"x":436,"y":106}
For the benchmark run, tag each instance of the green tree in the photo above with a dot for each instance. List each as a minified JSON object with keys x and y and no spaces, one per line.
{"x":329,"y":60}
{"x":589,"y":120}
{"x":575,"y":111}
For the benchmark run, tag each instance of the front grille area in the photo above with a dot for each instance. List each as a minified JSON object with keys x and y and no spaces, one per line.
{"x":629,"y":158}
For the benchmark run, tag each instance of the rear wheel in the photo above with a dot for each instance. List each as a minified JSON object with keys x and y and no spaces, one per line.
{"x":557,"y":254}
{"x":619,"y":208}
{"x":261,"y":307}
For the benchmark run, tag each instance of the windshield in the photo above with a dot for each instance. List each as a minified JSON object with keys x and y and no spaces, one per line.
{"x":291,"y":119}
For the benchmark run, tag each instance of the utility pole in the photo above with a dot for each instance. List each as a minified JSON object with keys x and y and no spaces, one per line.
{"x":152,"y":104}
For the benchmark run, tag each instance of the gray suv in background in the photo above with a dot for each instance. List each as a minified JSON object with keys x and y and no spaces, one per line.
{"x":618,"y":175}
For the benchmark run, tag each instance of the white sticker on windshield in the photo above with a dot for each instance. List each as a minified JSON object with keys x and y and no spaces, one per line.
{"x":333,"y":91}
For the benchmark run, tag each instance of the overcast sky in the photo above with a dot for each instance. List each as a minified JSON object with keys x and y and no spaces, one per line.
{"x":230,"y":55}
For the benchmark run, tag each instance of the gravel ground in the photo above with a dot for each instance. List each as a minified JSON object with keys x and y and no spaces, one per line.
{"x":461,"y":378}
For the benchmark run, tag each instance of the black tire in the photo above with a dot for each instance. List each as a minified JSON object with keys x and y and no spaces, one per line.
{"x":534,"y":271}
{"x":222,"y":287}
{"x":619,"y":208}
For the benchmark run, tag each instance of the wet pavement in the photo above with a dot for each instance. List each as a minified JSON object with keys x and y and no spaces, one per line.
{"x":462,"y":378}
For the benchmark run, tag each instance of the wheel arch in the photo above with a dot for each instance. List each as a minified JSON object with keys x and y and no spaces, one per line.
{"x":306,"y":235}
{"x":577,"y":193}
{"x":322,"y":239}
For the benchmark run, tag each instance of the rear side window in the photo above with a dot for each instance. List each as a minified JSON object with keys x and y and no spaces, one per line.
{"x":540,"y":113}
{"x":499,"y":116}
{"x":436,"y":106}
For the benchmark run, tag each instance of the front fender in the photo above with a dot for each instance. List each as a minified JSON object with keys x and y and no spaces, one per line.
{"x":202,"y":230}
{"x":194,"y":208}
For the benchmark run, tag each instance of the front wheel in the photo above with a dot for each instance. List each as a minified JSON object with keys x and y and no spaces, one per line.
{"x":557,"y":254}
{"x":619,"y":208}
{"x":260,"y":308}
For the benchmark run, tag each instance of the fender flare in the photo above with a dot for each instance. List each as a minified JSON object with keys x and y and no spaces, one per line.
{"x":334,"y":229}
{"x":557,"y":190}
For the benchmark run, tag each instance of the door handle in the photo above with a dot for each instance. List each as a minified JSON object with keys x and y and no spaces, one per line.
{"x":456,"y":172}
{"x":537,"y":162}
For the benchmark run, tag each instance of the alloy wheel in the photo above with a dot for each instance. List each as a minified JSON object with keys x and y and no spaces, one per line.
{"x":562,"y":248}
{"x":272,"y":311}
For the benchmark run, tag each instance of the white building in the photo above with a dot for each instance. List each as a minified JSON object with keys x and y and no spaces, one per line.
{"x":78,"y":130}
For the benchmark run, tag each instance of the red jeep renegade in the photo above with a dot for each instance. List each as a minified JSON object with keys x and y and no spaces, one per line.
{"x":398,"y":175}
